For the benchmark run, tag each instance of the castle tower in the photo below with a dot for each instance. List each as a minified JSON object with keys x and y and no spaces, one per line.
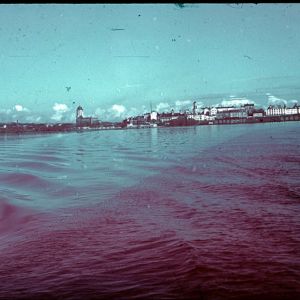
{"x":79,"y":115}
{"x":79,"y":112}
{"x":194,"y":107}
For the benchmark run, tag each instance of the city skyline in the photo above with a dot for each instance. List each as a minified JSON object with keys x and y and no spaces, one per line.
{"x":59,"y":56}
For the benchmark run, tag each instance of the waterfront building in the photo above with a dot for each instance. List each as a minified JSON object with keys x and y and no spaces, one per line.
{"x":279,"y":110}
{"x":147,"y":117}
{"x":256,"y":113}
{"x":206,"y":116}
{"x":136,"y":121}
{"x":153,"y":116}
{"x":232,"y":113}
{"x":225,"y":108}
{"x":206,"y":110}
{"x":249,"y":108}
{"x":82,"y":121}
{"x":221,"y":109}
{"x":213,"y":111}
{"x":246,"y":113}
{"x":166,"y":117}
{"x":196,"y":117}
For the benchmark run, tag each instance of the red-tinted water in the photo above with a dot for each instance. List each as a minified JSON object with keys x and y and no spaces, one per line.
{"x":180,"y":214}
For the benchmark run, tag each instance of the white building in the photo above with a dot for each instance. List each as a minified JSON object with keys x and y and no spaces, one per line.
{"x":213,"y":111}
{"x":258,"y":114}
{"x":225,"y":108}
{"x":153,"y":115}
{"x":282,"y":110}
{"x":207,"y":117}
{"x":196,"y":117}
{"x":166,"y":117}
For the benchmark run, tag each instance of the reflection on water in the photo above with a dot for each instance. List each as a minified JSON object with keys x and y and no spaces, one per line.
{"x":207,"y":212}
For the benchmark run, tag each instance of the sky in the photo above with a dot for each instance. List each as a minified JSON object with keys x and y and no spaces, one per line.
{"x":119,"y":60}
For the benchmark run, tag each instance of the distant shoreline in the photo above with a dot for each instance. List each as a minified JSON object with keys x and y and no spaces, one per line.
{"x":25,"y":128}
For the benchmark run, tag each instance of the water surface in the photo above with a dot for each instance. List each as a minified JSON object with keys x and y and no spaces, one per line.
{"x":207,"y":212}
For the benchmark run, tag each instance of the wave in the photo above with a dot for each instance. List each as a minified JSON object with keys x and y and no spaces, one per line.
{"x":12,"y":219}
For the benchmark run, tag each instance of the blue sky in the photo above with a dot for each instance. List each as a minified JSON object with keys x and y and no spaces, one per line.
{"x":163,"y":54}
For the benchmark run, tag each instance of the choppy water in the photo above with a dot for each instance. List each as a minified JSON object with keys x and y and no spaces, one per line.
{"x":207,"y":212}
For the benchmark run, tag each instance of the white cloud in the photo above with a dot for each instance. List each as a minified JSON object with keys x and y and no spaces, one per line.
{"x":162,"y":107}
{"x":60,"y":107}
{"x":60,"y":110}
{"x":199,"y":104}
{"x":292,"y":102}
{"x":5,"y":111}
{"x":57,"y":117}
{"x":100,"y":112}
{"x":19,"y":107}
{"x":133,"y":112}
{"x":178,"y":106}
{"x":33,"y":119}
{"x":23,"y":115}
{"x":119,"y":109}
{"x":115,"y":111}
{"x":235,"y":102}
{"x":273,"y":100}
{"x":183,"y":103}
